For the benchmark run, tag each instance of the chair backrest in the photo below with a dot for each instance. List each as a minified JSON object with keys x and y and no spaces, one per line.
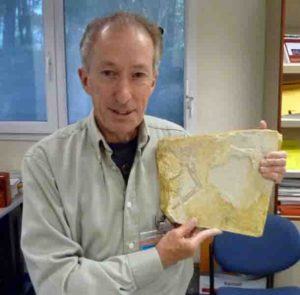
{"x":276,"y":250}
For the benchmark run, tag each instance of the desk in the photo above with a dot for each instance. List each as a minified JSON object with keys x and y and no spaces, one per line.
{"x":11,"y":266}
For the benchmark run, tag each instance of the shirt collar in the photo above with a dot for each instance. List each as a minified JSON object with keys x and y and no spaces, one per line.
{"x":97,"y":137}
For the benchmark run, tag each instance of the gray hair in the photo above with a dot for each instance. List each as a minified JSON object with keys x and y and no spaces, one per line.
{"x":122,"y":19}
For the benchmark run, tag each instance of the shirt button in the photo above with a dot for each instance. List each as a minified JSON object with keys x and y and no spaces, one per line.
{"x":129,"y":205}
{"x":131,"y":245}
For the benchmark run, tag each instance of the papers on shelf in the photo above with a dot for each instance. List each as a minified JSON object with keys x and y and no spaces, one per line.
{"x":292,"y":49}
{"x":289,"y":194}
{"x":292,"y":174}
{"x":290,"y":182}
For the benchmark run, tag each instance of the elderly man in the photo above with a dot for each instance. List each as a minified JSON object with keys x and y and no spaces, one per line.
{"x":91,"y":189}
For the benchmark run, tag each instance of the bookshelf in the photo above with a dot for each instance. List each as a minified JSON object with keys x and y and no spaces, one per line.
{"x":287,"y":201}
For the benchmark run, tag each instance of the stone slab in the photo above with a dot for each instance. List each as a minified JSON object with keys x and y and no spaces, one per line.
{"x":216,"y":178}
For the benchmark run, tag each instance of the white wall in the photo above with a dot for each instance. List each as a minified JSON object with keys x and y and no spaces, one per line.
{"x":11,"y":154}
{"x":272,"y":63}
{"x":230,"y":64}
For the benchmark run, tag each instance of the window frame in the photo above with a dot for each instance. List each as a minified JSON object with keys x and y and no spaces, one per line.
{"x":8,"y":129}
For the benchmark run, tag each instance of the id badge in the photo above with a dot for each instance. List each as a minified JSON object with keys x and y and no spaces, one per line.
{"x":149,"y":239}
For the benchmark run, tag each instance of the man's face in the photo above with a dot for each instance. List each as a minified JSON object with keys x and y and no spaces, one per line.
{"x":120,"y":80}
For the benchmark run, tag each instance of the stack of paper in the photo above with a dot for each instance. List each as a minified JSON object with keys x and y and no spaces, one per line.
{"x":292,"y":48}
{"x":289,"y":196}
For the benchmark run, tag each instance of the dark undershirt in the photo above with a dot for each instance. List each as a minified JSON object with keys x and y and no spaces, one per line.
{"x":123,"y":156}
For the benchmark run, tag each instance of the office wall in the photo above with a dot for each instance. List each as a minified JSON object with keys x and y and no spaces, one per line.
{"x":272,"y":62}
{"x":11,"y":154}
{"x":230,"y":64}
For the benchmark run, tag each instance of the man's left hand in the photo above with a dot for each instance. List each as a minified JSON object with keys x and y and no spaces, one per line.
{"x":272,"y":167}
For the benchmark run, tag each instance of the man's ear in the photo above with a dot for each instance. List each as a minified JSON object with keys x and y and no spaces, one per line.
{"x":84,"y":79}
{"x":154,"y":80}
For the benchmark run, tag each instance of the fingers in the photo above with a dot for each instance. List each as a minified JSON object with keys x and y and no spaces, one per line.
{"x":277,"y":177}
{"x":263,"y":124}
{"x":273,"y":162}
{"x":182,"y":242}
{"x":276,"y":155}
{"x":200,"y":236}
{"x":187,"y":228}
{"x":272,"y":167}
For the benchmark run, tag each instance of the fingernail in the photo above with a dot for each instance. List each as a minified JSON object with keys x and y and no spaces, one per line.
{"x":218,"y":231}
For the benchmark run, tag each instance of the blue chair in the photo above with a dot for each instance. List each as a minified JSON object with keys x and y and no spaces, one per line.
{"x":277,"y":249}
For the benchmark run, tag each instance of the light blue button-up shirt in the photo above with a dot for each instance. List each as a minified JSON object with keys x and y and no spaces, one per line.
{"x":82,"y":224}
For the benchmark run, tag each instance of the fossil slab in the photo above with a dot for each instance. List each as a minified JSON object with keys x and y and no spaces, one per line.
{"x":216,"y":179}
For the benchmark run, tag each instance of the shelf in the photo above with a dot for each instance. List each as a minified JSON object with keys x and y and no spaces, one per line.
{"x":292,"y":68}
{"x":292,"y":122}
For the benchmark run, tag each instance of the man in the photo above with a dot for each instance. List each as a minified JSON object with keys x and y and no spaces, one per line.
{"x":91,"y":189}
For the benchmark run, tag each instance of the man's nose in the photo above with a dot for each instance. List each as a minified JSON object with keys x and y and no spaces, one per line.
{"x":123,"y":90}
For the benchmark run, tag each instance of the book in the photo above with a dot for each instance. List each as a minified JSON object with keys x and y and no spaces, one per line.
{"x":288,"y":209}
{"x":292,"y":46}
{"x":292,"y":174}
{"x":290,"y":182}
{"x":292,"y":36}
{"x":288,"y":191}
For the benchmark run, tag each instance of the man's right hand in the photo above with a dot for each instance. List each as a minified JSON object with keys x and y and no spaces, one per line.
{"x":182,"y":242}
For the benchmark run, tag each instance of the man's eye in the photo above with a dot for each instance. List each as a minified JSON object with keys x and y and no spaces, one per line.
{"x":139,"y":75}
{"x":108,"y":74}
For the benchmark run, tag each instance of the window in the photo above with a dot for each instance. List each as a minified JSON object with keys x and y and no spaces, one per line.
{"x":39,"y":54}
{"x":167,"y":100}
{"x":25,"y":91}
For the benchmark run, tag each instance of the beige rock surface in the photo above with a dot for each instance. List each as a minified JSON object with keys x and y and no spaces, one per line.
{"x":216,"y":179}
